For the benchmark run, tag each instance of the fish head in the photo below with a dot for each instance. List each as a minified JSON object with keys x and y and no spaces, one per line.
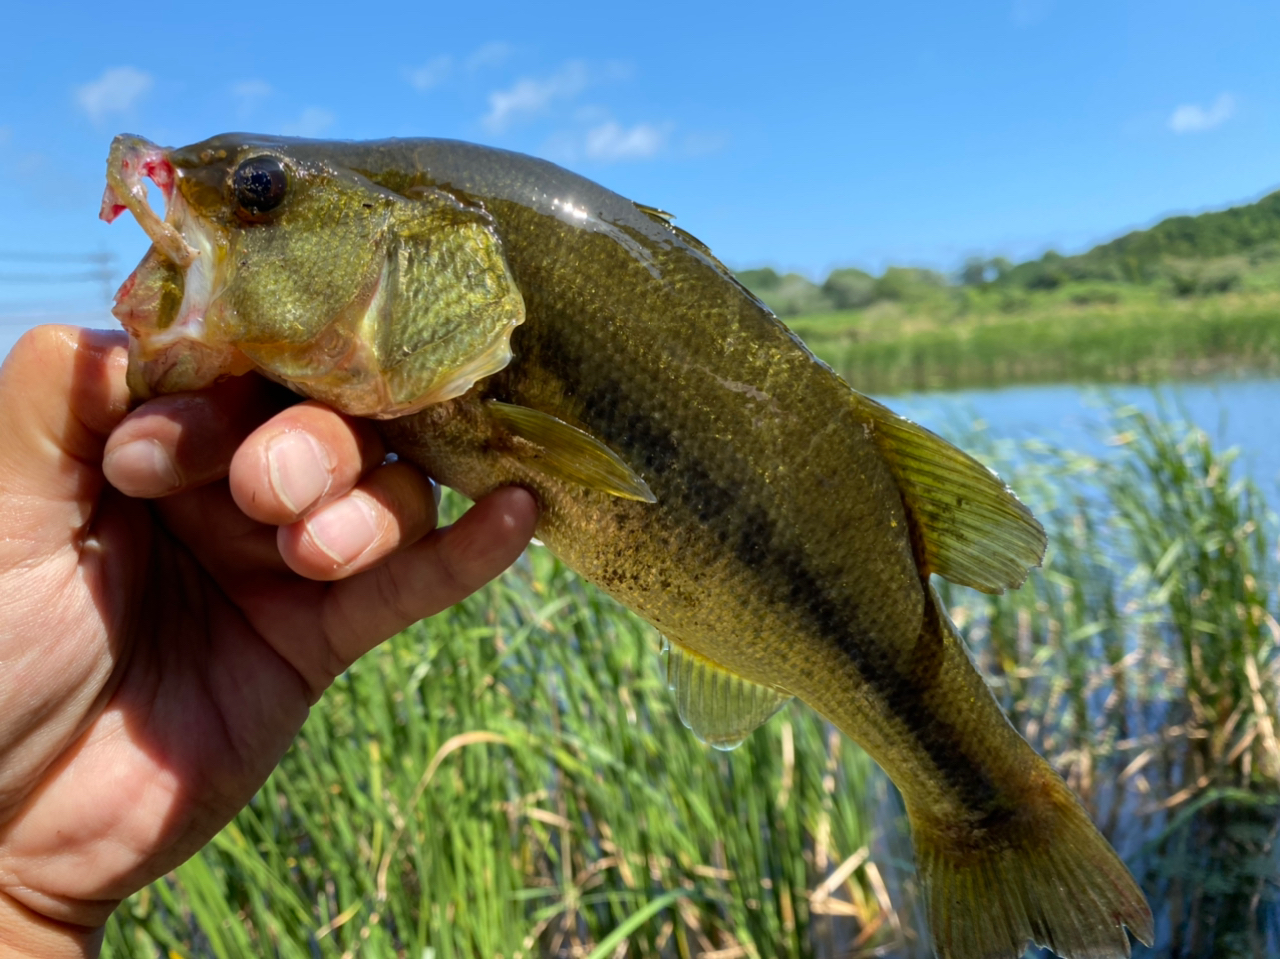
{"x":272,"y":255}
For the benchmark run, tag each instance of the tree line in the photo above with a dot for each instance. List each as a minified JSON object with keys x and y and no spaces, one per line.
{"x":1190,"y":255}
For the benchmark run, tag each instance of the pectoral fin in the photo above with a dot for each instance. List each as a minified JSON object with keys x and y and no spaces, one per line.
{"x":972,"y":528}
{"x":567,"y":453}
{"x":720,"y":707}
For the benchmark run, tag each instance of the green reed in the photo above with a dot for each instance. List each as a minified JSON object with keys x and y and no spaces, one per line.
{"x":510,"y":778}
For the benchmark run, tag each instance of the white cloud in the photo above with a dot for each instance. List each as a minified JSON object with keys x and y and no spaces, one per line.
{"x":311,"y":123}
{"x":430,"y":74}
{"x":703,"y":144}
{"x":1193,"y":118}
{"x":612,"y":141}
{"x":251,"y":91}
{"x":529,"y":96}
{"x":1026,"y":13}
{"x":114,"y":92}
{"x":489,"y":55}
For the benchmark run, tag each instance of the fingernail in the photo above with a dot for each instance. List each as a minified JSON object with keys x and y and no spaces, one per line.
{"x":344,"y":530}
{"x":141,"y":468}
{"x":298,"y":470}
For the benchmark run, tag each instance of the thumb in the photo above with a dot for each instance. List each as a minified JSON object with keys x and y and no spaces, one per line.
{"x":62,"y":390}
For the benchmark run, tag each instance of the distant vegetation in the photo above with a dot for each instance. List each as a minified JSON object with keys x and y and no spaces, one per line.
{"x":1191,"y":295}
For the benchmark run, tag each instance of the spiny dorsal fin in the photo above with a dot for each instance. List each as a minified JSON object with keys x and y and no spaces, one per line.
{"x":569,"y":454}
{"x":720,"y":707}
{"x":668,"y":220}
{"x":654,"y":213}
{"x":974,"y":531}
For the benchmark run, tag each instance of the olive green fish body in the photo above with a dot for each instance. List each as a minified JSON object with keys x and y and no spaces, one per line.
{"x":689,"y":454}
{"x":778,"y":546}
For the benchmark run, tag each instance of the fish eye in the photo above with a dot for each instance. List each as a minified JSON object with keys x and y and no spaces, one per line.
{"x":259,"y":184}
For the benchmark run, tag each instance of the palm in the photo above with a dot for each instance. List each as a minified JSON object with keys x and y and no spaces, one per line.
{"x":160,"y":656}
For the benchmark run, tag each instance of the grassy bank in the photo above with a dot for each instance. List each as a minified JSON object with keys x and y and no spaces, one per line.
{"x":510,"y":778}
{"x":1074,"y":334}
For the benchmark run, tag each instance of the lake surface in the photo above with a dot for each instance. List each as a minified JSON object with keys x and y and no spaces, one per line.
{"x":1235,"y":413}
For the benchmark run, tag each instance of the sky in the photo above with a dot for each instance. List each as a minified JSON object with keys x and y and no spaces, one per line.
{"x":804,"y":136}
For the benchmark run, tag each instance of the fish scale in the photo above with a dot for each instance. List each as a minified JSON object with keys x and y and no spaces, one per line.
{"x":690,"y":457}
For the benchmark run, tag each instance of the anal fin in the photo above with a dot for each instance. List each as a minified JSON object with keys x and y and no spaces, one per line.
{"x":720,"y":707}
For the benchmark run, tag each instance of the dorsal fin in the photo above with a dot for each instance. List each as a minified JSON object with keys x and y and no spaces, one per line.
{"x":972,"y":528}
{"x":668,"y":220}
{"x":720,"y":707}
{"x":654,"y":213}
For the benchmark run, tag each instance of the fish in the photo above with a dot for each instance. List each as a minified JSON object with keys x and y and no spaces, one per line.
{"x":506,"y":321}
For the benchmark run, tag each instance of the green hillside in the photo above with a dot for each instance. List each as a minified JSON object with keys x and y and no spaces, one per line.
{"x":1210,"y":253}
{"x":1169,"y":251}
{"x":1191,"y":296}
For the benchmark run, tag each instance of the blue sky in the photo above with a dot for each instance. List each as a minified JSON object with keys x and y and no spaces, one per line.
{"x":804,"y":135}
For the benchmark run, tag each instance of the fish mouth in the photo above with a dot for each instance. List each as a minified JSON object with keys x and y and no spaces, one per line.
{"x":164,"y":302}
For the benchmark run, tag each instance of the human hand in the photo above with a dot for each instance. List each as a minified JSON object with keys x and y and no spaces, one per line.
{"x":160,"y":650}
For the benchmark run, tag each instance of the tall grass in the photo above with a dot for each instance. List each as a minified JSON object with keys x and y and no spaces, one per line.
{"x":510,"y":779}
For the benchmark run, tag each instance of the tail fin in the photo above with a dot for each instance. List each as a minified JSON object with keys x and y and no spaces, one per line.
{"x":1049,"y":878}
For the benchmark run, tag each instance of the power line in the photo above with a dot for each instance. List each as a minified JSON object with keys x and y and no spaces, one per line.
{"x":100,"y":276}
{"x":105,"y":274}
{"x":10,"y":256}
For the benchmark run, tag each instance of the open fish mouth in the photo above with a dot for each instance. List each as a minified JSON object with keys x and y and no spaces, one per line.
{"x":164,"y":302}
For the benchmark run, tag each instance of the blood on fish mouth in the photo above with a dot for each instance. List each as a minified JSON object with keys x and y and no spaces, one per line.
{"x":157,"y":169}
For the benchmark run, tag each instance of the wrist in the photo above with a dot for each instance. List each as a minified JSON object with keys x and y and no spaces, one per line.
{"x":26,"y":934}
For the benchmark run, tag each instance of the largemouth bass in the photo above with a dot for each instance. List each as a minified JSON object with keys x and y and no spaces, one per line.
{"x":509,"y":322}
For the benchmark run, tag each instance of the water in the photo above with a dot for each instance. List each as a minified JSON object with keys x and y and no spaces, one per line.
{"x":1235,"y":413}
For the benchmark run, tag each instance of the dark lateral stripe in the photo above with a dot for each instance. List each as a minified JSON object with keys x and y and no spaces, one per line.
{"x":682,"y":484}
{"x":553,"y":340}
